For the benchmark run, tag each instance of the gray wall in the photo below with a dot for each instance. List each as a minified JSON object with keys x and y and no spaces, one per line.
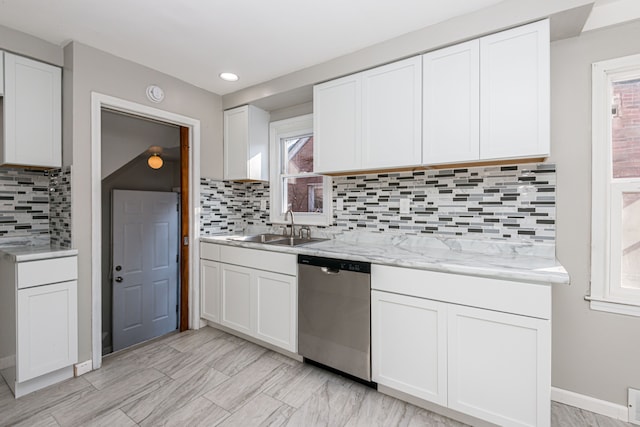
{"x":30,"y":46}
{"x":86,"y":70}
{"x":594,"y":353}
{"x":125,"y":137}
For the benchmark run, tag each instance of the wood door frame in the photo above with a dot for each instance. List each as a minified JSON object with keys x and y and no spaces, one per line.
{"x":183,"y":321}
{"x":190,"y":154}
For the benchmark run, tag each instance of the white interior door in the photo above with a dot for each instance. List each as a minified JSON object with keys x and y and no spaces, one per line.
{"x":145,"y":265}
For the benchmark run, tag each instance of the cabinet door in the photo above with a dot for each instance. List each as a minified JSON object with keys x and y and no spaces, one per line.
{"x":514,"y":93}
{"x":276,"y":309}
{"x":392,"y":115}
{"x":32,"y":113}
{"x":499,"y":366}
{"x":451,"y":96}
{"x":237,"y":299}
{"x":47,"y":329}
{"x":337,"y":125}
{"x":236,"y":143}
{"x":210,"y":290}
{"x":409,"y":340}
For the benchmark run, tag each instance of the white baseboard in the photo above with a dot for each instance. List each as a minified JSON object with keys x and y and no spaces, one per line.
{"x":588,"y":403}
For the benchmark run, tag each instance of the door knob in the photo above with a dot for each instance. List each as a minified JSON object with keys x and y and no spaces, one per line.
{"x":119,"y":279}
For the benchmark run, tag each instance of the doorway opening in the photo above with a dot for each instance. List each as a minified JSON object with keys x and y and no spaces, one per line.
{"x":142,"y":179}
{"x":189,"y":149}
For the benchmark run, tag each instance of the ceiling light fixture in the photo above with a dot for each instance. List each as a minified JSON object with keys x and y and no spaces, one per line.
{"x":155,"y":161}
{"x":230,"y":77}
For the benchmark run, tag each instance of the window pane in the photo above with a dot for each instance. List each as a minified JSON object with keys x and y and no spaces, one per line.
{"x":625,"y":129}
{"x":298,"y":155}
{"x":304,"y":194}
{"x":630,"y":275}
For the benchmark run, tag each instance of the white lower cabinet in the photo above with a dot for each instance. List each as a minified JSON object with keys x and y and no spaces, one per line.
{"x":47,"y":329}
{"x":410,"y":359}
{"x":479,"y":361}
{"x":210,"y":290}
{"x":236,"y":298}
{"x":499,"y":365}
{"x":276,"y":309}
{"x":259,"y":302}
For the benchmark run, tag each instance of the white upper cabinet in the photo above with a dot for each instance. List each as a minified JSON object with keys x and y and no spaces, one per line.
{"x":246,"y":144}
{"x":514,"y":93}
{"x":488,"y":99}
{"x":32,"y":113}
{"x":337,"y":118}
{"x":451,"y":102}
{"x":391,"y":115}
{"x":369,"y":120}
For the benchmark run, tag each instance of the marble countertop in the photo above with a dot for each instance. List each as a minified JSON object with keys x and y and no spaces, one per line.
{"x":20,"y":253}
{"x":497,"y":260}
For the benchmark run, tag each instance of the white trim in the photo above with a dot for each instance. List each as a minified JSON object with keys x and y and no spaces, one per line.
{"x":614,"y":307}
{"x":605,"y":240}
{"x":588,"y":403}
{"x":292,"y":127}
{"x":98,"y":101}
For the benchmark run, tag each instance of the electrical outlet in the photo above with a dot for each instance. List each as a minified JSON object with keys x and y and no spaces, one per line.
{"x":263,"y":205}
{"x":82,"y":368}
{"x":339,"y":204}
{"x":404,"y":206}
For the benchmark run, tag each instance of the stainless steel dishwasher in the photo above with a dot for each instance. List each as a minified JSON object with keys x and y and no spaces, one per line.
{"x":334,"y":314}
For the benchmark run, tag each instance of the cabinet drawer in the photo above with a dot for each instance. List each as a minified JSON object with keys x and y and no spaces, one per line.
{"x":261,"y":260}
{"x":35,"y":273}
{"x":210,"y":251}
{"x":500,"y":295}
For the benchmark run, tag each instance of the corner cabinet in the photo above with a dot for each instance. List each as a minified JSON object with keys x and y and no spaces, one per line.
{"x":32,"y":106}
{"x":479,"y":346}
{"x":246,"y":144}
{"x":370,"y":120}
{"x":251,"y":291}
{"x":488,"y":99}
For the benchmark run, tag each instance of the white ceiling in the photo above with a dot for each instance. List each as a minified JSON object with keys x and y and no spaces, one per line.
{"x":195,"y":40}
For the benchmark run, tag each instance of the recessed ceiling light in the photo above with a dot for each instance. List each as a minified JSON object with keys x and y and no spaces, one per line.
{"x":230,"y":77}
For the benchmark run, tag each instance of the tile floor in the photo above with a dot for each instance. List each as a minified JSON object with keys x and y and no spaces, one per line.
{"x":210,"y":378}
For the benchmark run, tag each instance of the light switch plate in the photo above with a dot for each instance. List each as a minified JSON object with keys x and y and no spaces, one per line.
{"x":404,"y":206}
{"x":339,"y":204}
{"x":263,"y":205}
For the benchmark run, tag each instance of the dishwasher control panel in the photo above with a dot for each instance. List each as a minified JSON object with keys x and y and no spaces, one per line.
{"x":335,"y":264}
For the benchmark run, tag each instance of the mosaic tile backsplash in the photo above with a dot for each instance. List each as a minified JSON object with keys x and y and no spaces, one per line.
{"x":514,"y":202}
{"x":24,"y":203}
{"x":60,"y":207}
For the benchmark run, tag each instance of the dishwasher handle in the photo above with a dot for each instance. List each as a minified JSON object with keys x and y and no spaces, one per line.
{"x":330,"y":271}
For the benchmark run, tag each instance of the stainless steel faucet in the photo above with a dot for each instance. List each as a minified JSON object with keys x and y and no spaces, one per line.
{"x":290,"y":212}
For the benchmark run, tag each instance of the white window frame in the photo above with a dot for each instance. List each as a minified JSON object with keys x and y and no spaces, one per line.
{"x":290,"y":128}
{"x":606,"y":195}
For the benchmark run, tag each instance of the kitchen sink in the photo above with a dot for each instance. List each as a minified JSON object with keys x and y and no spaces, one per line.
{"x":295,"y":241}
{"x":259,"y":238}
{"x":276,"y":239}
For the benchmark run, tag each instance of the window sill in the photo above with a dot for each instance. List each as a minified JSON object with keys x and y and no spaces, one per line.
{"x":613,"y":306}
